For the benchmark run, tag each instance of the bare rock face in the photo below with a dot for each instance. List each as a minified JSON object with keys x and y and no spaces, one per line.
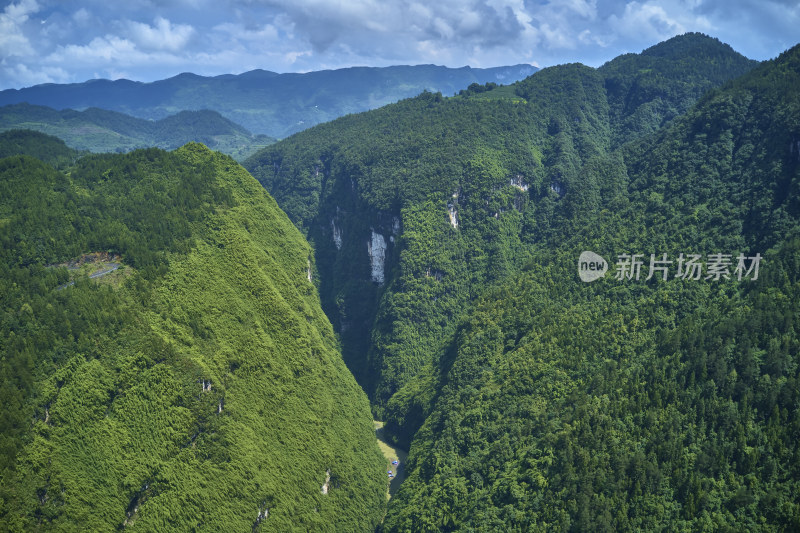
{"x":327,"y":485}
{"x":519,"y":182}
{"x":376,"y":248}
{"x":337,"y":234}
{"x":452,"y":210}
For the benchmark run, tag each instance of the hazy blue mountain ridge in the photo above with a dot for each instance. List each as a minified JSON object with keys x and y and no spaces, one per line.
{"x":101,"y":130}
{"x":265,"y":102}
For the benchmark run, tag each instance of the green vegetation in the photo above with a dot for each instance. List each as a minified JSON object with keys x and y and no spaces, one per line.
{"x":277,"y":105}
{"x":532,"y":400}
{"x":397,"y":169}
{"x":647,"y":90}
{"x":43,"y":147}
{"x":204,"y":390}
{"x":98,"y":130}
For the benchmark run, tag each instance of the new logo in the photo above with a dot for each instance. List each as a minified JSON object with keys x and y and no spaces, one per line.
{"x":591,"y":266}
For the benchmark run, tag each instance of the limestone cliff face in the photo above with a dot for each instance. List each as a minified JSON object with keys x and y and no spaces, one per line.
{"x":376,"y":248}
{"x":337,"y":234}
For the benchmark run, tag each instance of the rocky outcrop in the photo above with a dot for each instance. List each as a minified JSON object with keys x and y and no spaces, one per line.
{"x":519,"y":183}
{"x":327,"y":485}
{"x":337,"y":234}
{"x":376,"y":248}
{"x":452,"y":210}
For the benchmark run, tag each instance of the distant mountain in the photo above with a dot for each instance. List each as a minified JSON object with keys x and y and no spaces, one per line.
{"x":266,"y":102}
{"x":100,"y":130}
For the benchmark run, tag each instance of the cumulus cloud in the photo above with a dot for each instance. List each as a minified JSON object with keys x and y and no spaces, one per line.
{"x":162,"y":35}
{"x":656,"y":20}
{"x":13,"y":41}
{"x":82,"y":16}
{"x":102,"y":50}
{"x":397,"y":30}
{"x":28,"y":76}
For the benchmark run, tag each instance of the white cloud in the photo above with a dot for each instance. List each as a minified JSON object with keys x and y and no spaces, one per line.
{"x":292,"y":57}
{"x":13,"y":41}
{"x":82,"y":16}
{"x":582,"y":8}
{"x":22,"y":9}
{"x":655,"y":20}
{"x":100,"y":50}
{"x":645,"y":21}
{"x":163,"y":35}
{"x":27,"y":76}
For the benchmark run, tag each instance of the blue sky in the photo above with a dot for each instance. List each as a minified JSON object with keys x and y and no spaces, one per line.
{"x":66,"y":41}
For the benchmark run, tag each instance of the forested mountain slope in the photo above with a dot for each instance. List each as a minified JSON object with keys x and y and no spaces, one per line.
{"x":199,"y":385}
{"x":43,"y":147}
{"x":533,"y":400}
{"x":633,"y":404}
{"x":390,"y":180}
{"x":266,"y":102}
{"x":647,"y":90}
{"x":99,"y":130}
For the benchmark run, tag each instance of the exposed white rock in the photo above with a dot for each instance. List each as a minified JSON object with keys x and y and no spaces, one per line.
{"x":453,"y":214}
{"x":519,"y":183}
{"x":261,"y":516}
{"x":376,"y":248}
{"x":337,"y":234}
{"x":435,"y":274}
{"x":327,"y":485}
{"x":308,"y":270}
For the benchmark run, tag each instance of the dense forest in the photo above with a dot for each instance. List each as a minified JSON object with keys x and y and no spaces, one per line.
{"x":447,"y":233}
{"x":195,"y":384}
{"x":40,"y":146}
{"x":506,"y":167}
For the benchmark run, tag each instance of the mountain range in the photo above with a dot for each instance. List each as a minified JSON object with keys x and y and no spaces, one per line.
{"x":261,"y":101}
{"x":100,"y":130}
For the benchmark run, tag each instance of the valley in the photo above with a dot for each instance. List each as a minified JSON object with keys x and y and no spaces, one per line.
{"x":384,"y":322}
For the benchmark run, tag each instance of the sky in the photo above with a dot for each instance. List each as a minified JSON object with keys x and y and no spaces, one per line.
{"x":66,"y":41}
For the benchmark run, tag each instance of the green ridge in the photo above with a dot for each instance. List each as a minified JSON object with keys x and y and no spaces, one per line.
{"x":202,"y":390}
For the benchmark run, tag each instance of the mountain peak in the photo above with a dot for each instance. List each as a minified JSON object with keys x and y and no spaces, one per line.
{"x":692,"y":44}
